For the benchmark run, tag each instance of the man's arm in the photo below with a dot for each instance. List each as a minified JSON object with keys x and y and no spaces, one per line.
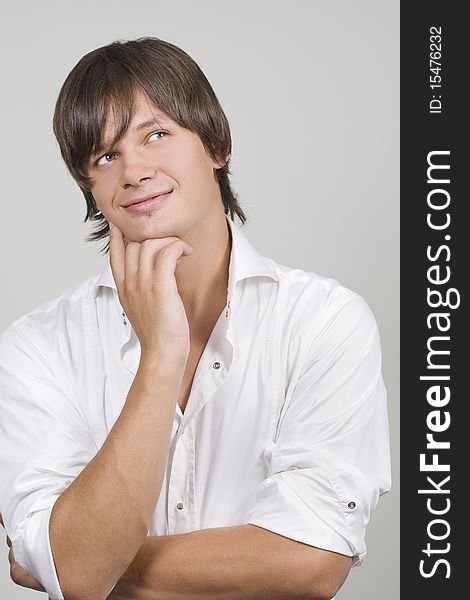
{"x":231,"y":563}
{"x":235,"y":562}
{"x":110,"y":504}
{"x":112,"y":500}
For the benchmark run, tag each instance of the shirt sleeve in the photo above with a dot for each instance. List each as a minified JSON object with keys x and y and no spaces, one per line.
{"x":330,"y":460}
{"x":45,"y":443}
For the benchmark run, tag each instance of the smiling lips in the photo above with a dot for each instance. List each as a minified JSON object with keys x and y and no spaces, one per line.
{"x":147,"y":203}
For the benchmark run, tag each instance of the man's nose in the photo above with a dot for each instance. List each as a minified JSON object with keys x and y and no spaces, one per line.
{"x":136,"y":169}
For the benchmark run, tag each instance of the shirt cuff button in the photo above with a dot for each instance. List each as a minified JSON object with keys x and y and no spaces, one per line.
{"x":352,"y":505}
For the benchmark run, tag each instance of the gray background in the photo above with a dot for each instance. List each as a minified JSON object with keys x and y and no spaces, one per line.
{"x":311,"y":89}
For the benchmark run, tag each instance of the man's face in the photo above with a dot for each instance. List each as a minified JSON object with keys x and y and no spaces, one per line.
{"x":154,"y":156}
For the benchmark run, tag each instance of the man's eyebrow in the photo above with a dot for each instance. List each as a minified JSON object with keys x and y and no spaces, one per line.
{"x":160,"y":120}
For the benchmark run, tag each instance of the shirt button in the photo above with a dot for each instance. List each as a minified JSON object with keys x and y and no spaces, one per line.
{"x":352,"y":505}
{"x":180,"y":506}
{"x":216,"y":365}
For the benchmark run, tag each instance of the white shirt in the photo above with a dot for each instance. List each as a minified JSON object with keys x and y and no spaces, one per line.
{"x":285,"y":427}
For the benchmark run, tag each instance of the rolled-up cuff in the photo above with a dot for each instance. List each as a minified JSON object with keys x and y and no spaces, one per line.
{"x":327,"y":523}
{"x":32,"y":550}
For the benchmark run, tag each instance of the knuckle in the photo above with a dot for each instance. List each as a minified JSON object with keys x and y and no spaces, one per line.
{"x":133,"y":248}
{"x":176,"y":243}
{"x":166,"y":250}
{"x":149,"y":243}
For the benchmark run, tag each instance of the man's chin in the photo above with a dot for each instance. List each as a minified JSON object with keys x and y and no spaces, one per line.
{"x":143,"y":236}
{"x":147,"y":233}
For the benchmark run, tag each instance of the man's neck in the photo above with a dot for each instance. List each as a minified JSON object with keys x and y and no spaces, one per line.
{"x":202,"y":277}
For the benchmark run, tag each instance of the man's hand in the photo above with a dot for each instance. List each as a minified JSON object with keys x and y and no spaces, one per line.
{"x":19,"y":575}
{"x":145,"y":278}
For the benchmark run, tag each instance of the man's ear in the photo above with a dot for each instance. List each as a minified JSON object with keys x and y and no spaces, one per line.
{"x":218,"y":164}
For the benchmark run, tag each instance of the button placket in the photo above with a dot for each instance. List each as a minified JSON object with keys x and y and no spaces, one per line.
{"x":180,"y":501}
{"x":177,"y":486}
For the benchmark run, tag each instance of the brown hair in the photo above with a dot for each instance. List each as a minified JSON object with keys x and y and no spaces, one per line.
{"x":108,"y":78}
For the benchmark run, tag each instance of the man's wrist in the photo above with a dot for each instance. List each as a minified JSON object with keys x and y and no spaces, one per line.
{"x":162,"y":368}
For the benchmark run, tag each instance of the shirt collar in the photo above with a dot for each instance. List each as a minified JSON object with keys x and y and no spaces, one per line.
{"x":245,"y":262}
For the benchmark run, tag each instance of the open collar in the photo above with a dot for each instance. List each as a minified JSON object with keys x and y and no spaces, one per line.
{"x":245,"y":262}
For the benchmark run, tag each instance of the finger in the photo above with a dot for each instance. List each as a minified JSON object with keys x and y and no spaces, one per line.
{"x":22,"y":577}
{"x":117,"y":251}
{"x":28,"y":581}
{"x":168,"y":257}
{"x":131,"y":263}
{"x":148,"y":254}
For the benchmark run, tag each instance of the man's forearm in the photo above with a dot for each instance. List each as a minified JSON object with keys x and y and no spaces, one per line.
{"x":231,"y":563}
{"x":117,"y":491}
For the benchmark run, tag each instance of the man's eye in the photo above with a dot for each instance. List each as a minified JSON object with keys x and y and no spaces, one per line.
{"x":156,"y":136}
{"x":106,"y":158}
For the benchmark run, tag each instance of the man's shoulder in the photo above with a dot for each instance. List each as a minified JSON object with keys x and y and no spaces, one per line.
{"x":53,"y":318}
{"x":313,"y":287}
{"x":313,"y":300}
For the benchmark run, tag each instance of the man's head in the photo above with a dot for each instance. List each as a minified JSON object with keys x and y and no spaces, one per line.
{"x":98,"y":102}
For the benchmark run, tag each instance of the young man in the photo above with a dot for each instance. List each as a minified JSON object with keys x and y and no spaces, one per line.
{"x":197,"y":421}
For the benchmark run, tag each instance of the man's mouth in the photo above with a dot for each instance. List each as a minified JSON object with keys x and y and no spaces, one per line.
{"x":146,"y":203}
